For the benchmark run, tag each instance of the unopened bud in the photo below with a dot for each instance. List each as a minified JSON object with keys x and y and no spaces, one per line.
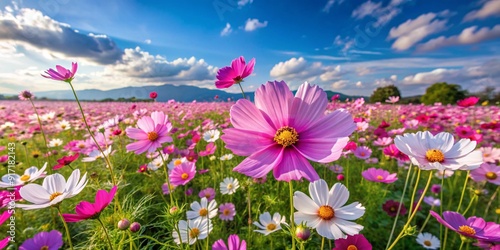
{"x":340,"y":177}
{"x":135,"y":226}
{"x":123,"y":224}
{"x":303,"y":233}
{"x":173,"y":210}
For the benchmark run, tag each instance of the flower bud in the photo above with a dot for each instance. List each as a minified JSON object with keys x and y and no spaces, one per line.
{"x":135,"y":226}
{"x":174,"y":210}
{"x":303,"y":233}
{"x":340,"y":177}
{"x":123,"y":224}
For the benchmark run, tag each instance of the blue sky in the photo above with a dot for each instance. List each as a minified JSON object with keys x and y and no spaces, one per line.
{"x":346,"y":46}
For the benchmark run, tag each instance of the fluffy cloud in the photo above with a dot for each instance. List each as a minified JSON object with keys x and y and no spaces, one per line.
{"x":253,"y":24}
{"x":31,"y":29}
{"x":382,"y":14}
{"x":490,"y":8}
{"x":469,"y":35}
{"x":300,"y":69}
{"x":227,"y":30}
{"x":242,"y":3}
{"x":340,"y":84}
{"x":414,"y":30}
{"x":330,"y":4}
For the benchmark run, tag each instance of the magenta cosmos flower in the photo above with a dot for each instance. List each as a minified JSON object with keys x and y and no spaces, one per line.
{"x":280,"y":132}
{"x":151,"y":133}
{"x":233,"y":243}
{"x":379,"y":175}
{"x":238,"y":70}
{"x":86,"y":210}
{"x":486,"y":172}
{"x":183,"y":173}
{"x":153,"y":95}
{"x":65,"y":161}
{"x":353,"y":242}
{"x":44,"y":240}
{"x":61,"y":73}
{"x":468,"y":102}
{"x":473,"y":227}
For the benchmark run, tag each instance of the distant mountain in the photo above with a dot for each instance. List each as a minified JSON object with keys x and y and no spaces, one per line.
{"x":182,"y":93}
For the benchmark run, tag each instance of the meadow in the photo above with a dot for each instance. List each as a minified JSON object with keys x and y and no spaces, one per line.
{"x":187,"y":175}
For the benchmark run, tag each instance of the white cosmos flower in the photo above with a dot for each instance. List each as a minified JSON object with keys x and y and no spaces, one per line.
{"x":96,"y":154}
{"x":157,"y":162}
{"x":53,"y":190}
{"x":64,"y":125}
{"x":440,"y":151}
{"x":229,"y":185}
{"x":202,"y":209}
{"x":192,"y":230}
{"x":176,"y":162}
{"x":428,"y":241}
{"x":325,"y":210}
{"x":211,"y":135}
{"x":226,"y":157}
{"x":30,"y":174}
{"x":268,"y":224}
{"x":55,"y":143}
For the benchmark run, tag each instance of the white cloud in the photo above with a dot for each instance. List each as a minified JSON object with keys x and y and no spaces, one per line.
{"x":469,"y":35}
{"x":394,"y":77}
{"x":414,"y":30}
{"x":490,"y":8}
{"x":340,"y":84}
{"x":227,"y":30}
{"x":290,"y":67}
{"x":331,"y":74}
{"x":31,"y":29}
{"x":330,"y":4}
{"x":361,"y":71}
{"x":242,"y":3}
{"x":253,"y":24}
{"x":383,"y":15}
{"x":147,"y":41}
{"x":359,"y":84}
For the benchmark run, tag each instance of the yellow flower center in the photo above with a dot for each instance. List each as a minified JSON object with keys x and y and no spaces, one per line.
{"x":379,"y":177}
{"x":54,"y":195}
{"x":152,"y":136}
{"x":230,"y":186}
{"x":286,"y":136}
{"x":226,"y":212}
{"x":434,"y":155}
{"x":25,"y":177}
{"x":203,"y":212}
{"x":427,"y":243}
{"x":194,"y":232}
{"x":467,"y":230}
{"x":271,"y":227}
{"x":352,"y":247}
{"x":177,"y":162}
{"x":44,"y":248}
{"x":326,"y":212}
{"x":184,"y":176}
{"x":491,"y":176}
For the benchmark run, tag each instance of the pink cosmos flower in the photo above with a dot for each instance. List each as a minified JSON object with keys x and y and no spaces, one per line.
{"x":233,"y":243}
{"x":65,"y":161}
{"x":464,"y":131}
{"x":25,"y":95}
{"x":383,"y":141}
{"x":86,"y":210}
{"x":357,"y":241}
{"x":362,"y":152}
{"x":490,"y":154}
{"x":238,"y":70}
{"x":486,"y":172}
{"x":209,"y":149}
{"x":44,"y":240}
{"x":62,"y":74}
{"x":227,"y":211}
{"x":208,"y":193}
{"x":392,"y":99}
{"x":474,"y":227}
{"x":183,"y":173}
{"x":468,"y":102}
{"x":153,"y":95}
{"x":281,"y":132}
{"x":379,"y":175}
{"x":152,"y":132}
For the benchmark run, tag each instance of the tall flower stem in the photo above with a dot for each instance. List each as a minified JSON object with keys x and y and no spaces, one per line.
{"x":242,"y":92}
{"x":166,"y":176}
{"x":441,"y":207}
{"x":43,"y":133}
{"x":426,"y":220}
{"x":68,"y":236}
{"x":414,"y":192}
{"x":106,"y":158}
{"x":106,"y":232}
{"x":322,"y":243}
{"x":399,"y":207}
{"x":491,"y":201}
{"x":474,"y":198}
{"x":292,"y":223}
{"x":403,"y":231}
{"x":463,"y":191}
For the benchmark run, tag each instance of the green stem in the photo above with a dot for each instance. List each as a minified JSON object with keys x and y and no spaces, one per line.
{"x":43,"y":134}
{"x":461,"y":245}
{"x":347,"y":175}
{"x":399,"y":207}
{"x":491,"y":201}
{"x":106,"y":158}
{"x":292,"y":222}
{"x":105,"y":232}
{"x":426,"y":220}
{"x":415,"y":188}
{"x":167,"y":177}
{"x":441,"y":207}
{"x":403,"y":232}
{"x":474,"y":198}
{"x":68,"y":236}
{"x":242,"y":92}
{"x":322,"y":243}
{"x":463,"y":191}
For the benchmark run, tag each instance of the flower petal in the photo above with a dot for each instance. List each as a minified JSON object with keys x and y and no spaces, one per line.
{"x":275,"y":99}
{"x":246,"y":116}
{"x":244,"y":142}
{"x":308,"y":106}
{"x":260,"y":163}
{"x":294,"y":166}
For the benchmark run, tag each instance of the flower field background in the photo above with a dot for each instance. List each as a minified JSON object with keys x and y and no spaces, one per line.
{"x":208,"y":194}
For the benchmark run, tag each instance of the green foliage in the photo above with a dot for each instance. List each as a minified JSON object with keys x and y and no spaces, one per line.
{"x":444,"y":93}
{"x":383,"y":93}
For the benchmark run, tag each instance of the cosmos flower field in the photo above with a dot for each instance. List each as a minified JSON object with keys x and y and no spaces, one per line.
{"x":285,"y":171}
